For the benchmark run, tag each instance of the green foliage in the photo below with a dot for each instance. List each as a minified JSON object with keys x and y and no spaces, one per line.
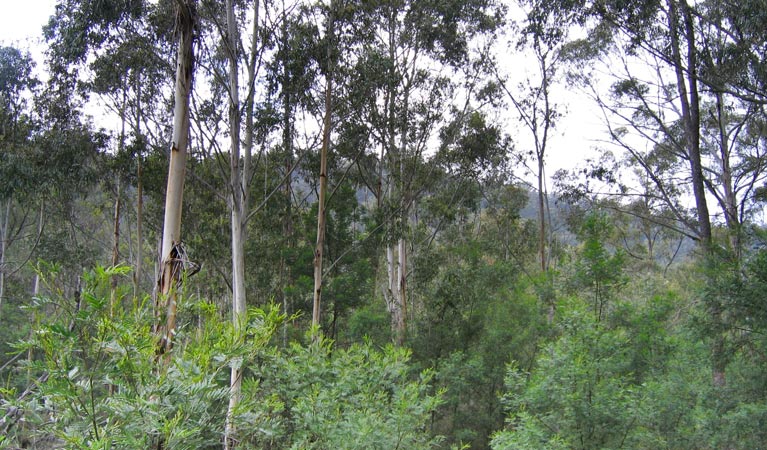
{"x":478,"y":313}
{"x":100,"y":383}
{"x":585,"y":391}
{"x":597,"y":268}
{"x":640,"y":377}
{"x":341,"y":398}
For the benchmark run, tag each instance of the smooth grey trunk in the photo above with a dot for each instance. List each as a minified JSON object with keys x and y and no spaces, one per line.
{"x":240,"y":174}
{"x":541,"y":218}
{"x":137,"y":272}
{"x":239,"y":305}
{"x":396,"y":252}
{"x":170,"y":265}
{"x":402,"y":287}
{"x":391,"y":291}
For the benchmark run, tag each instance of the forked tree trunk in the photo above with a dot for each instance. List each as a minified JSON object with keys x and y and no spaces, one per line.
{"x":686,"y":74}
{"x":690,"y":107}
{"x":239,"y":186}
{"x":171,"y":266}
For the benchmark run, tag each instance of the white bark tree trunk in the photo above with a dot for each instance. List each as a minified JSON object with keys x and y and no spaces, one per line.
{"x":401,"y":332}
{"x":239,"y":186}
{"x":170,"y":266}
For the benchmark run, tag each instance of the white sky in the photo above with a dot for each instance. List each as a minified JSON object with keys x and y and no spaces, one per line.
{"x":21,"y":24}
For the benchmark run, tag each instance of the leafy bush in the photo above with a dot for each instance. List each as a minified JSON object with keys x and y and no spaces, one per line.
{"x":100,"y":384}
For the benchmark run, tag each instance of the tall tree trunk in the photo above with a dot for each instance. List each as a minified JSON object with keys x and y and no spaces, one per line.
{"x":239,"y":303}
{"x":170,"y":254}
{"x":731,"y":215}
{"x":287,"y":145}
{"x":319,"y":248}
{"x":391,"y":292}
{"x":690,"y":107}
{"x":116,"y":218}
{"x":691,"y":119}
{"x":541,"y":143}
{"x":401,"y":334}
{"x":137,"y":272}
{"x":541,"y":217}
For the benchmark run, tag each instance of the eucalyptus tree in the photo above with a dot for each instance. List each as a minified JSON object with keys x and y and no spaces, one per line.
{"x":172,"y":255}
{"x":134,"y":38}
{"x":16,"y":126}
{"x":118,"y":52}
{"x":294,"y":99}
{"x":406,"y":66}
{"x":100,"y":37}
{"x":321,"y":200}
{"x":542,"y":32}
{"x":244,"y":70}
{"x":676,"y":86}
{"x":240,"y":176}
{"x":679,"y":109}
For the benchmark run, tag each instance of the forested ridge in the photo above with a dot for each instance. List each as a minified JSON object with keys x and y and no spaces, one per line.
{"x":333,"y":225}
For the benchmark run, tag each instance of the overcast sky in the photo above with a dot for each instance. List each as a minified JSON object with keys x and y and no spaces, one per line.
{"x":21,"y":26}
{"x":22,"y":20}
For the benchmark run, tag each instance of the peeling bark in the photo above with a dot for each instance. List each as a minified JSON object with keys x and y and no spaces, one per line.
{"x":170,"y":267}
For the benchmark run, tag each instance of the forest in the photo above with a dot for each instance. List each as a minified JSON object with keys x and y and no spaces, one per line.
{"x":351,"y":224}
